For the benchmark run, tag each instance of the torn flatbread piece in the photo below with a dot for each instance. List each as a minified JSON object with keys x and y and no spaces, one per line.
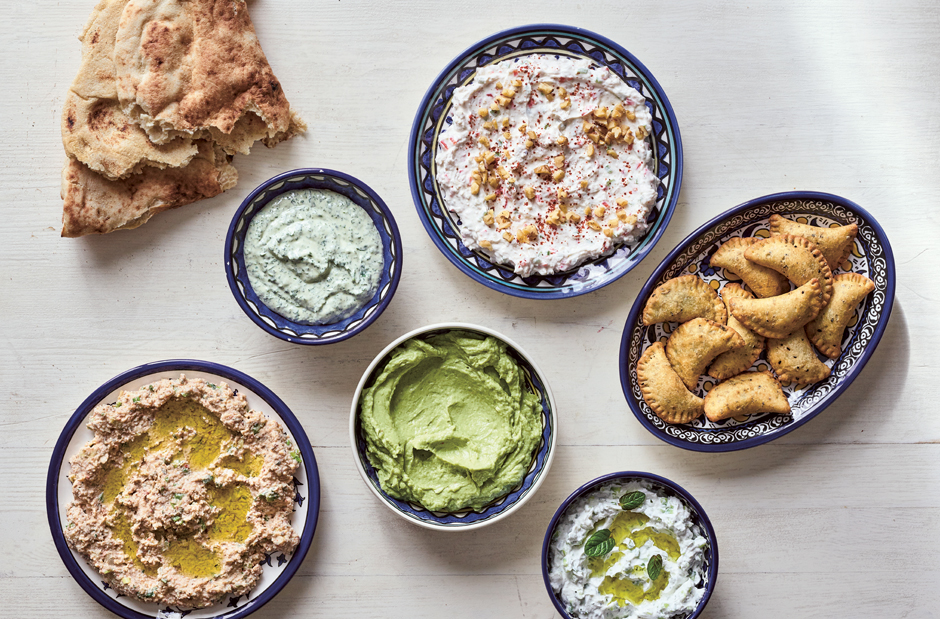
{"x":779,"y":316}
{"x":663,"y":390}
{"x":746,"y":394}
{"x":694,"y":344}
{"x":740,"y":358}
{"x":196,"y":68}
{"x":683,"y":298}
{"x":95,"y":129}
{"x":834,"y":243}
{"x":825,"y":331}
{"x":795,"y":257}
{"x":794,"y":361}
{"x":96,"y":205}
{"x":765,"y":282}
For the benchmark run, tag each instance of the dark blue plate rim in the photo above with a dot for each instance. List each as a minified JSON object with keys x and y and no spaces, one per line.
{"x":394,"y":277}
{"x":819,"y":406}
{"x":645,"y":246}
{"x":156,"y":367}
{"x":668,"y":483}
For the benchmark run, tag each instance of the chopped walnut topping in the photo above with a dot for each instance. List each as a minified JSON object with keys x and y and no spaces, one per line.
{"x":505,"y":122}
{"x":474,"y":188}
{"x":599,"y":211}
{"x":622,"y":201}
{"x":527,"y":234}
{"x":631,"y":115}
{"x":611,"y":152}
{"x":564,"y":103}
{"x":558,"y":175}
{"x":509,"y":93}
{"x":503,"y":172}
{"x":503,"y":101}
{"x":613,"y":222}
{"x":562,"y":140}
{"x":617,"y":112}
{"x":573,"y":217}
{"x":483,"y":112}
{"x":508,"y":236}
{"x":529,"y":192}
{"x":584,"y":184}
{"x":485,"y":244}
{"x":600,"y":112}
{"x":517,"y":84}
{"x":488,"y":217}
{"x":490,"y":197}
{"x":529,"y":144}
{"x":590,"y":150}
{"x":562,"y":194}
{"x":542,"y":170}
{"x":545,"y":89}
{"x":490,"y":124}
{"x":532,"y":135}
{"x":485,"y":141}
{"x":489,"y":157}
{"x":494,"y":106}
{"x":594,"y":225}
{"x":559,"y":161}
{"x":608,"y":232}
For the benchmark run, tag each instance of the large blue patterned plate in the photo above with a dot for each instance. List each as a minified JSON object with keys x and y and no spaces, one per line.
{"x":442,"y":226}
{"x":502,"y":507}
{"x":277,"y":569}
{"x":871,"y":256}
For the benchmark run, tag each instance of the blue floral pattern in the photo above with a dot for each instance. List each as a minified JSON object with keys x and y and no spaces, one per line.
{"x":442,"y":225}
{"x":871,"y":256}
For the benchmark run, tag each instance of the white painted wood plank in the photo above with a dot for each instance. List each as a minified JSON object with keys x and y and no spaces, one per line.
{"x":831,"y":520}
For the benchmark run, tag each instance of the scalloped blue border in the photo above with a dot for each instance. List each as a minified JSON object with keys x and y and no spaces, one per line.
{"x":671,"y":485}
{"x":640,"y":252}
{"x":58,"y":454}
{"x":819,"y":406}
{"x":392,"y":259}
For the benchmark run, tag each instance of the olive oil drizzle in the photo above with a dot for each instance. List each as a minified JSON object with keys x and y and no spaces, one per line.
{"x":636,"y":587}
{"x":203,"y":436}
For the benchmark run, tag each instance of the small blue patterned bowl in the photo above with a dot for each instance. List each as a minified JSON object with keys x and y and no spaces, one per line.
{"x":466,"y":519}
{"x":871,"y":256}
{"x":667,"y":487}
{"x":432,"y":114}
{"x":274,"y":323}
{"x":277,"y":569}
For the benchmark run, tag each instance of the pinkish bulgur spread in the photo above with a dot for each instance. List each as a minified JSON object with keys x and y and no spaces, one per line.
{"x":181,"y":493}
{"x":546,"y":163}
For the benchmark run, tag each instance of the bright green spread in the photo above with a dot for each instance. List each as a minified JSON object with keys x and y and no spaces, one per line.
{"x":450,"y":421}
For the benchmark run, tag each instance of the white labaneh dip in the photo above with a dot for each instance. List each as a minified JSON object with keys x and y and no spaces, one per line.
{"x":547,"y":163}
{"x":617,"y":584}
{"x":313,"y":256}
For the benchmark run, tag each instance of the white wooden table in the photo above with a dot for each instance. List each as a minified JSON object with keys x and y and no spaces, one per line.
{"x":840,"y":518}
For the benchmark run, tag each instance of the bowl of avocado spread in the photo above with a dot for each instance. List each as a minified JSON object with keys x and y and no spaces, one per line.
{"x":453,"y":426}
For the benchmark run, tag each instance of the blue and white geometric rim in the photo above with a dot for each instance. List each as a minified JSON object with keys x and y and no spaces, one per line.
{"x":314,"y":178}
{"x":871,"y":256}
{"x":432,"y":115}
{"x":277,"y":568}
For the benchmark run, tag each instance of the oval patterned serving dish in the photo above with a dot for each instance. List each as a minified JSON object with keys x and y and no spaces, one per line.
{"x":277,"y":569}
{"x":269,"y":320}
{"x":498,"y":509}
{"x":442,"y":225}
{"x":871,"y":256}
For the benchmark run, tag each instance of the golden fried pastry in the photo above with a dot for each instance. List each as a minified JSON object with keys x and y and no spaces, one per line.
{"x":739,"y":358}
{"x":694,"y":344}
{"x":834,"y":243}
{"x":794,"y":360}
{"x":683,"y":298}
{"x":825,"y":331}
{"x":794,"y":256}
{"x":663,"y":389}
{"x":746,"y":394}
{"x":763,"y":281}
{"x":779,"y":316}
